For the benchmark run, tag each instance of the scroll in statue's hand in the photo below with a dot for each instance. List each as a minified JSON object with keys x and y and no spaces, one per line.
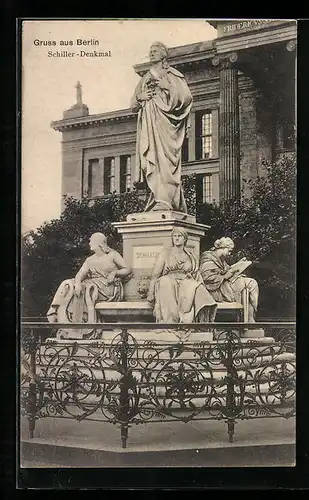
{"x":145,"y":95}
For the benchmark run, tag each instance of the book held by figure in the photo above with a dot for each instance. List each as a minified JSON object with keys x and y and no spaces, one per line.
{"x":238,"y":268}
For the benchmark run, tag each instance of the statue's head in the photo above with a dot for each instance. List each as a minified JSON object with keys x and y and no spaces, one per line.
{"x":98,"y":240}
{"x":224,"y":246}
{"x":179,"y":237}
{"x":158,"y":52}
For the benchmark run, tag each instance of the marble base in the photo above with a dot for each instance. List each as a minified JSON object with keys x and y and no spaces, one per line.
{"x":160,"y":215}
{"x":145,"y":235}
{"x":170,"y":336}
{"x":125,"y":311}
{"x":254,"y":333}
{"x":159,"y":336}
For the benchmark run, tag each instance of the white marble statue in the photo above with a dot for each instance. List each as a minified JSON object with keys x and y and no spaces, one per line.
{"x":99,"y":279}
{"x":226,"y":283}
{"x":163,"y":101}
{"x":176,"y":289}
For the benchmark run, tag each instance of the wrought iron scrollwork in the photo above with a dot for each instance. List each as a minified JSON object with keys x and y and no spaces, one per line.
{"x":127,"y":381}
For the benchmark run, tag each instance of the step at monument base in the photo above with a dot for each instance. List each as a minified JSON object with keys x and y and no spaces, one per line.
{"x":137,"y":311}
{"x":87,"y":444}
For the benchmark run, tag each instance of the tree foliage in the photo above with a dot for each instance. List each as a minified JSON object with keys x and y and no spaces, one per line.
{"x":263,"y":228}
{"x":57,"y":249}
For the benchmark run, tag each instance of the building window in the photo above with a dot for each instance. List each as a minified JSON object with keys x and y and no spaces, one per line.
{"x":207,"y":188}
{"x":125,"y":173}
{"x":185,"y":150}
{"x":109,"y":175}
{"x":204,"y":188}
{"x":94,"y":180}
{"x":203,"y":135}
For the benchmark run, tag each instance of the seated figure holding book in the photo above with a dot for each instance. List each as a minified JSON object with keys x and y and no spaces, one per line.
{"x":226,"y":283}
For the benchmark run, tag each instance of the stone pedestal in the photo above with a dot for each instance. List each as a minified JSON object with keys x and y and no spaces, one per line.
{"x":145,"y":235}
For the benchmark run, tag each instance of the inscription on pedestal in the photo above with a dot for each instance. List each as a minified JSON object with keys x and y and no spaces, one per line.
{"x":144,"y":257}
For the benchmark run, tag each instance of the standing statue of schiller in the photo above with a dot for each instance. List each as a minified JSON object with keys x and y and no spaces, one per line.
{"x":163,"y":101}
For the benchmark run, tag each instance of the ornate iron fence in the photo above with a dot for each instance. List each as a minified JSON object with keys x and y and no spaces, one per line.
{"x":125,"y":379}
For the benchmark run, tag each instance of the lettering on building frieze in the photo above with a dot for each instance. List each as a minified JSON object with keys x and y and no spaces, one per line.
{"x":248,"y":24}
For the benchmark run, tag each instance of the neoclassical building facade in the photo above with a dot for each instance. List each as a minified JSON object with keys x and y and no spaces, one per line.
{"x":243,"y":87}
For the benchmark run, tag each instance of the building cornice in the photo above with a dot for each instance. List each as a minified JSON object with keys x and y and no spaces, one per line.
{"x":263,"y":24}
{"x":93,"y":120}
{"x":257,"y":36}
{"x":99,"y":141}
{"x":117,"y":133}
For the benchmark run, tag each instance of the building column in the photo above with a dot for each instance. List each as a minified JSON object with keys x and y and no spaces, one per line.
{"x":117,"y":174}
{"x":133,"y":169}
{"x":229,"y":147}
{"x":85,"y":178}
{"x":291,"y":46}
{"x":101,"y":169}
{"x":215,"y":133}
{"x":191,"y":137}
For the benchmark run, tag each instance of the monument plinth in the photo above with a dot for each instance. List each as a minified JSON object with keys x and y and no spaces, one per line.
{"x":145,"y":235}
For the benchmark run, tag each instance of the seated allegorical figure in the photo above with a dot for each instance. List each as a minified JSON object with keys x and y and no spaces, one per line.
{"x":176,"y":289}
{"x":99,"y":279}
{"x":226,"y":283}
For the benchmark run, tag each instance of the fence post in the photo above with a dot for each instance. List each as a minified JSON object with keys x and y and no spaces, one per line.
{"x":230,"y":390}
{"x":245,"y":303}
{"x":124,"y":393}
{"x":32,"y":386}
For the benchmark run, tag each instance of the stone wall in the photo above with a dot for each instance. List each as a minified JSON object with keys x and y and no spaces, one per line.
{"x":72,"y":168}
{"x":109,"y":138}
{"x":118,"y":135}
{"x":256,"y":132}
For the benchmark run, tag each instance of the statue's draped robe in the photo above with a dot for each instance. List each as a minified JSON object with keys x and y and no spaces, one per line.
{"x":180,"y":295}
{"x":213,"y":268}
{"x":161,"y":128}
{"x":66,"y":307}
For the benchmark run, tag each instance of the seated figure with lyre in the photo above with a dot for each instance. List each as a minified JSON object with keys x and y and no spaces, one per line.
{"x":99,"y":279}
